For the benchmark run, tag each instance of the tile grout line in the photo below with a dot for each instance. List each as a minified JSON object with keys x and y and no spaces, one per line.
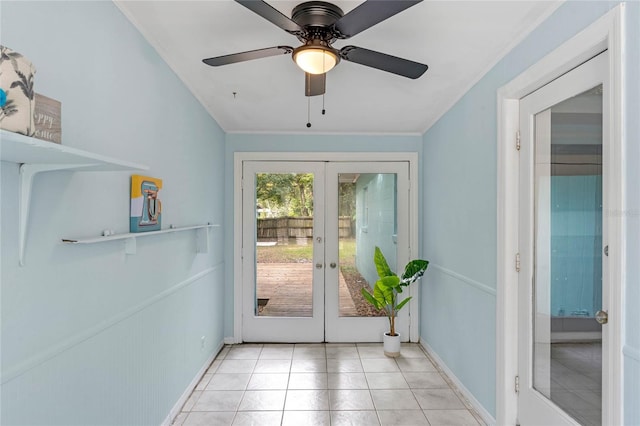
{"x":227,"y":350}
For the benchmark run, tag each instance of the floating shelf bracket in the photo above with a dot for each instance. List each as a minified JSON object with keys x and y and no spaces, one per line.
{"x":130,"y":245}
{"x":202,"y":240}
{"x":27,"y":173}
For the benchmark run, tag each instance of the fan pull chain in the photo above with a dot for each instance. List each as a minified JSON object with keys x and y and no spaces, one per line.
{"x":324,"y":68}
{"x":308,"y":111}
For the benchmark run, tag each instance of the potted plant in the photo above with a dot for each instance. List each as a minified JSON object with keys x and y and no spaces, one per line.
{"x":385,"y":295}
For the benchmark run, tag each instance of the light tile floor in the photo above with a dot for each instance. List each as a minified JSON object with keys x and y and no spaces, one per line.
{"x":324,"y":384}
{"x":576,"y":380}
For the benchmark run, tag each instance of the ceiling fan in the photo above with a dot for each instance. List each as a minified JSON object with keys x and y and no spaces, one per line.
{"x":318,"y":24}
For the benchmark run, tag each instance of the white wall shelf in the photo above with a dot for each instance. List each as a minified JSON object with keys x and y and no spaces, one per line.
{"x":202,"y":237}
{"x":21,"y":149}
{"x":37,"y":156}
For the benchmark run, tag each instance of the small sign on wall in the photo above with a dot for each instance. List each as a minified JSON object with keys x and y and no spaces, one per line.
{"x":146,"y":208}
{"x":47,"y":118}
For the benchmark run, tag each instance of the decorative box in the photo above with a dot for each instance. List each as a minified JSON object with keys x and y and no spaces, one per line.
{"x":47,"y":119}
{"x":16,"y":80}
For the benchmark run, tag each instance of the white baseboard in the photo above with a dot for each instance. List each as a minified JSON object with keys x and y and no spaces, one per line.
{"x":231,"y":340}
{"x":575,"y":336}
{"x":185,"y":395}
{"x":479,"y":408}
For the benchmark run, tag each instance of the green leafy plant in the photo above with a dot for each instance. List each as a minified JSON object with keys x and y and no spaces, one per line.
{"x":389,"y":286}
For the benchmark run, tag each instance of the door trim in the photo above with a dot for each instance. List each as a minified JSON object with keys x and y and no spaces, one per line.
{"x":607,"y":33}
{"x":240,"y":157}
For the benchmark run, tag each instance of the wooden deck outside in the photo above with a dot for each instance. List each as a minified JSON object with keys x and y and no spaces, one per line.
{"x":288,"y":288}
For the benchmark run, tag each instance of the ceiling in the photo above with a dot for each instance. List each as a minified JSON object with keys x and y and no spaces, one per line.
{"x":459,"y":40}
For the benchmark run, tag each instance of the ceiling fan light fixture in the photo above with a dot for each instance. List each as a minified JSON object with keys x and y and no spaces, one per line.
{"x":315,"y":59}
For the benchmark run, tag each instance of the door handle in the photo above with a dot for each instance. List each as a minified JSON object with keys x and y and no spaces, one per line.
{"x":318,"y":265}
{"x":333,"y":265}
{"x":602,"y":317}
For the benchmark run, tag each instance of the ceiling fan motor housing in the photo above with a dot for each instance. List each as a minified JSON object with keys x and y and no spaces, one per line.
{"x":317,"y":18}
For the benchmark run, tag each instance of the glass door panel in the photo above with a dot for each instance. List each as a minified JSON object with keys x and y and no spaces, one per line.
{"x":567,"y":361}
{"x":284,"y":244}
{"x":366,"y":218}
{"x":362,"y":213}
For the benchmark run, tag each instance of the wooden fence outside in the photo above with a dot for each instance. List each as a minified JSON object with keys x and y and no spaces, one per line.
{"x":282,"y":228}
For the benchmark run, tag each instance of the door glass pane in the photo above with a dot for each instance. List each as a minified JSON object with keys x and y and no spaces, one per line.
{"x":568,"y":256}
{"x":367,"y":210}
{"x":284,"y":249}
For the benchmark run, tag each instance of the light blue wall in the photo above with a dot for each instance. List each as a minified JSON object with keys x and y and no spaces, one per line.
{"x":376,"y":198}
{"x":236,"y":142}
{"x":89,"y":334}
{"x":459,"y":238}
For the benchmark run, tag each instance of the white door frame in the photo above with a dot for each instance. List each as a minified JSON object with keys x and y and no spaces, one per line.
{"x":536,"y":403}
{"x":239,"y":157}
{"x":607,"y":33}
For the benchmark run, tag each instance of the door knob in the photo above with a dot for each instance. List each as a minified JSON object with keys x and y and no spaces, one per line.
{"x":602,"y":317}
{"x":318,"y":265}
{"x":332,"y":264}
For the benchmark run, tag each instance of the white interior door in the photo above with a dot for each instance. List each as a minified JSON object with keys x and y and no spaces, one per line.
{"x":563,"y":285}
{"x":309,"y":234}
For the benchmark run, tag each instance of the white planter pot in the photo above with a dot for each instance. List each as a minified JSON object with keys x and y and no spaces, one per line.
{"x":391,"y":345}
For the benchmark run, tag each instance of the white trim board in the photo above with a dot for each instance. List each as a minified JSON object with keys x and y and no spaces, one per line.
{"x":479,"y":408}
{"x":604,"y":34}
{"x":230,"y":340}
{"x":414,"y":247}
{"x":469,"y":281}
{"x":575,"y":336}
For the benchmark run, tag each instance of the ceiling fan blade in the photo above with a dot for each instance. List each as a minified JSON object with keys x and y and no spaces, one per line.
{"x":382,"y":61}
{"x":368,"y":14}
{"x":247,"y":56}
{"x":272,"y":15}
{"x":314,"y":84}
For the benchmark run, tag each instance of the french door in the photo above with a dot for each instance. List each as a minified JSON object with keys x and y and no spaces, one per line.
{"x":309,"y":233}
{"x":563,"y":282}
